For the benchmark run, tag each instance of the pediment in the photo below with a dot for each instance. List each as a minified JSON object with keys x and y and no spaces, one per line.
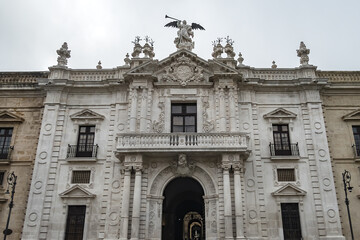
{"x":86,"y":114}
{"x":77,"y":192}
{"x":280,"y":113}
{"x":182,"y":68}
{"x":289,"y":190}
{"x":6,"y":116}
{"x":355,"y":115}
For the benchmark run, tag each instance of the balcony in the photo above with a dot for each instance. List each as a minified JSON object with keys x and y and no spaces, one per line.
{"x":356,"y":148}
{"x":182,"y":142}
{"x":82,"y":152}
{"x":5,"y":154}
{"x":290,"y":151}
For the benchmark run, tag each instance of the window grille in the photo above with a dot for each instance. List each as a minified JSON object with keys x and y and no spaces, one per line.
{"x":75,"y":223}
{"x":286,"y":175}
{"x":81,"y":177}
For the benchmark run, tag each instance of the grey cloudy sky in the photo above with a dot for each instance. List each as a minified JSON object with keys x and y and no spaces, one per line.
{"x":263,"y":30}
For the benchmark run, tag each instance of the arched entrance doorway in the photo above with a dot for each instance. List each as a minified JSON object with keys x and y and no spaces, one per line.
{"x":183,"y":210}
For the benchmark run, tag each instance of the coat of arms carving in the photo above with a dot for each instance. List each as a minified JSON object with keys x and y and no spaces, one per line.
{"x":183,"y":71}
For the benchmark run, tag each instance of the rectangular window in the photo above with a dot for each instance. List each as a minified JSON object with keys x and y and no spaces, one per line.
{"x":81,"y":177}
{"x":281,"y":140}
{"x":2,"y":174}
{"x":75,"y":223}
{"x":5,"y":140}
{"x":286,"y":174}
{"x":291,"y":221}
{"x":356,"y":132}
{"x":85,"y":146}
{"x":183,"y":117}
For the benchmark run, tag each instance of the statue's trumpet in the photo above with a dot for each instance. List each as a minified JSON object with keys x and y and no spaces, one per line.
{"x":166,"y":16}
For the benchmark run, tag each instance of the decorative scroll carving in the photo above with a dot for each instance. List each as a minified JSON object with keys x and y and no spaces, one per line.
{"x":183,"y":71}
{"x":207,"y":125}
{"x":159,"y":125}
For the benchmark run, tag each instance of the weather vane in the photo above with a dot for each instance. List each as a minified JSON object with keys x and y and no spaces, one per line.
{"x":184,"y":33}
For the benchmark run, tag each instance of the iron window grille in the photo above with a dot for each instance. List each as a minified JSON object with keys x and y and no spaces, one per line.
{"x":75,"y":223}
{"x":286,"y":174}
{"x":81,"y":177}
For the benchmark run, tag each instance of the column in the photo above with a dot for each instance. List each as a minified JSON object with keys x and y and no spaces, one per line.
{"x":238,"y":204}
{"x":135,"y":218}
{"x":133,"y":109}
{"x":125,"y":205}
{"x":227,"y":204}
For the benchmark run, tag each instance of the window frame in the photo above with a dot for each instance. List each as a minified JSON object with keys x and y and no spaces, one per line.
{"x":89,"y":148}
{"x":356,"y":140}
{"x":184,"y":114}
{"x":283,"y":145}
{"x":71,"y":213}
{"x":5,"y":155}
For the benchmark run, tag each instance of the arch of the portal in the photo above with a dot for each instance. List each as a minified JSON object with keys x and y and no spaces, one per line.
{"x":155,"y":199}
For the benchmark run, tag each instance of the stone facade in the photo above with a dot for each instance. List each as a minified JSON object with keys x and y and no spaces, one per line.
{"x":224,"y":177}
{"x":341,"y":101}
{"x":21,"y":105}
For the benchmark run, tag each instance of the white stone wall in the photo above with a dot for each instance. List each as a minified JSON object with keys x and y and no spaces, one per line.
{"x":229,"y":101}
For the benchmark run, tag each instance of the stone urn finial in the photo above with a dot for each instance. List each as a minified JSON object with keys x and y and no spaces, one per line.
{"x":240,"y":59}
{"x":229,"y":49}
{"x":63,"y":53}
{"x":127,"y":59}
{"x":99,"y":65}
{"x":273,"y":65}
{"x":137,"y":47}
{"x":148,"y":48}
{"x":303,"y":53}
{"x":218,"y":49}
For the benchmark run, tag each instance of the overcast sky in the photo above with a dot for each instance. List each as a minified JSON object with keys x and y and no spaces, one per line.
{"x":263,"y":30}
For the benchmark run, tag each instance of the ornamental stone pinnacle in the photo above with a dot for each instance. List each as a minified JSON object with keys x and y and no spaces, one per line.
{"x":303,"y":53}
{"x":63,"y":53}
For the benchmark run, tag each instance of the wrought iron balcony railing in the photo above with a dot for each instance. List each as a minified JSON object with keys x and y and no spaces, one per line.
{"x":356,"y":148}
{"x":292,"y":149}
{"x":82,"y":150}
{"x":185,"y":142}
{"x":5,"y":153}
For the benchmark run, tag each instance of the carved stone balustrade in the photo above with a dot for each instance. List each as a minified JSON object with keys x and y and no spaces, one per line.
{"x":182,"y":142}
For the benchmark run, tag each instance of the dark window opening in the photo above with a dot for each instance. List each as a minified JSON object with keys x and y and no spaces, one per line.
{"x":356,"y":132}
{"x":281,"y":140}
{"x":5,"y":140}
{"x":75,"y":223}
{"x":85,"y":144}
{"x":183,"y":117}
{"x":2,"y":174}
{"x":291,"y":221}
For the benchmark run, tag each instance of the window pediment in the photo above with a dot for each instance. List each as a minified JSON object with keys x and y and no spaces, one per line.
{"x":279,"y":114}
{"x":355,"y":115}
{"x":6,"y":116}
{"x":289,"y":190}
{"x":77,"y":192}
{"x":87,"y":116}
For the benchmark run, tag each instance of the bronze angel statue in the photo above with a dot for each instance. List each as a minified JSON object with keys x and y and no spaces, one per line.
{"x":185,"y":33}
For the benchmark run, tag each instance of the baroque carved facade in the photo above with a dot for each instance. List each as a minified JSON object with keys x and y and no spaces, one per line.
{"x":183,"y":148}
